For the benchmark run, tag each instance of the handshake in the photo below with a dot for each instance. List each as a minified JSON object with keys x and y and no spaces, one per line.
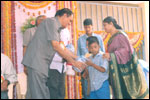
{"x":81,"y":63}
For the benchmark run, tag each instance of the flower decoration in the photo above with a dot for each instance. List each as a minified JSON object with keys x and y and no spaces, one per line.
{"x":2,"y":79}
{"x":28,"y":24}
{"x":32,"y":22}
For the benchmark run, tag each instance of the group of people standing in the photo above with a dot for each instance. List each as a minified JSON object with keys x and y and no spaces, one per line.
{"x":118,"y":66}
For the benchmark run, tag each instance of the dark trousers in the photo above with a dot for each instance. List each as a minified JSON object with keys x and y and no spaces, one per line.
{"x":84,"y":88}
{"x":56,"y":84}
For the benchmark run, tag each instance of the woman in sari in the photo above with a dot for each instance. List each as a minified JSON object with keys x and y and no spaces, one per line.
{"x":126,"y":76}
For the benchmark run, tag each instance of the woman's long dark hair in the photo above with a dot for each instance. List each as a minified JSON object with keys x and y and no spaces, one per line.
{"x":111,"y":19}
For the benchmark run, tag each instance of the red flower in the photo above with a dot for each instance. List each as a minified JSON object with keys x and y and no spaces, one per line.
{"x":32,"y":22}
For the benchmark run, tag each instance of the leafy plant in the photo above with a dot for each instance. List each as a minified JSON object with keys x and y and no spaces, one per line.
{"x":28,"y":24}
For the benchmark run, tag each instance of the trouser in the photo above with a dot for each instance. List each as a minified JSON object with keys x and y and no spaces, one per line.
{"x":56,"y":84}
{"x":84,"y":87}
{"x":101,"y":93}
{"x":4,"y":95}
{"x":37,"y":85}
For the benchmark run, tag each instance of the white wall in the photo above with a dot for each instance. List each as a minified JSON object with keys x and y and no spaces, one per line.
{"x":145,"y":7}
{"x":147,"y":28}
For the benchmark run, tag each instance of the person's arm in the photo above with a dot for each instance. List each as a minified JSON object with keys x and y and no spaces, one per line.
{"x":99,"y":68}
{"x":53,"y":36}
{"x":26,"y":40}
{"x":4,"y":85}
{"x":85,"y":73}
{"x":10,"y":72}
{"x":78,"y":48}
{"x":123,"y":52}
{"x":101,"y":43}
{"x":24,"y":50}
{"x":64,"y":54}
{"x":107,"y":56}
{"x":25,"y":68}
{"x":71,"y":54}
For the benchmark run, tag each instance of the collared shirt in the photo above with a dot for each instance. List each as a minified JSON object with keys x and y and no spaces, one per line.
{"x":7,"y":69}
{"x":82,"y":49}
{"x":39,"y":52}
{"x":28,"y":35}
{"x":57,"y":60}
{"x":96,"y":77}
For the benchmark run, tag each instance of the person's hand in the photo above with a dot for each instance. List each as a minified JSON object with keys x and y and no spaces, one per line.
{"x":4,"y":85}
{"x":89,"y":62}
{"x":106,"y":56}
{"x":85,"y":74}
{"x":80,"y":65}
{"x":25,"y":70}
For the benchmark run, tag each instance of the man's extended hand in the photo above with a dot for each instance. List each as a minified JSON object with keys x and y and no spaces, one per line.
{"x":85,"y":75}
{"x":106,"y":56}
{"x":89,"y":62}
{"x":80,"y":65}
{"x":4,"y":85}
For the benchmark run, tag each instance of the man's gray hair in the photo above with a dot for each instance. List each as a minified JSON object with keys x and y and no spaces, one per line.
{"x":39,"y":17}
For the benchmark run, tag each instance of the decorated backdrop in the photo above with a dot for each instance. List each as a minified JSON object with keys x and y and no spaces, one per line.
{"x":23,"y":11}
{"x":15,"y":13}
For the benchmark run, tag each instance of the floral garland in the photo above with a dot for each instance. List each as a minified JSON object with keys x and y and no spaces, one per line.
{"x":28,"y":24}
{"x":2,"y":78}
{"x":135,"y":38}
{"x":37,"y":7}
{"x":30,"y":5}
{"x":8,"y":33}
{"x":7,"y":28}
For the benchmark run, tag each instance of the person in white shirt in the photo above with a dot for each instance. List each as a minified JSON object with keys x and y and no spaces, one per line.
{"x":57,"y":60}
{"x":8,"y":75}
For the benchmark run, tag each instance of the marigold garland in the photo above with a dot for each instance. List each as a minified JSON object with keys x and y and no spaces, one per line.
{"x":130,"y":35}
{"x":31,"y":5}
{"x":34,"y":6}
{"x":7,"y":28}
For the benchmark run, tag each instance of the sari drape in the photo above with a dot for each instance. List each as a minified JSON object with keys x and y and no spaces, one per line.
{"x":127,"y":79}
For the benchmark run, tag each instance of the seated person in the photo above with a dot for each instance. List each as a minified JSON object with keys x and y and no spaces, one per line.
{"x":8,"y":75}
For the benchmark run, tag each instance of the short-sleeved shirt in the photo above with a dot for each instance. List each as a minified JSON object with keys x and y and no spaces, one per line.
{"x":40,"y":52}
{"x":96,"y":77}
{"x":82,"y":49}
{"x":28,"y":35}
{"x":57,"y":60}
